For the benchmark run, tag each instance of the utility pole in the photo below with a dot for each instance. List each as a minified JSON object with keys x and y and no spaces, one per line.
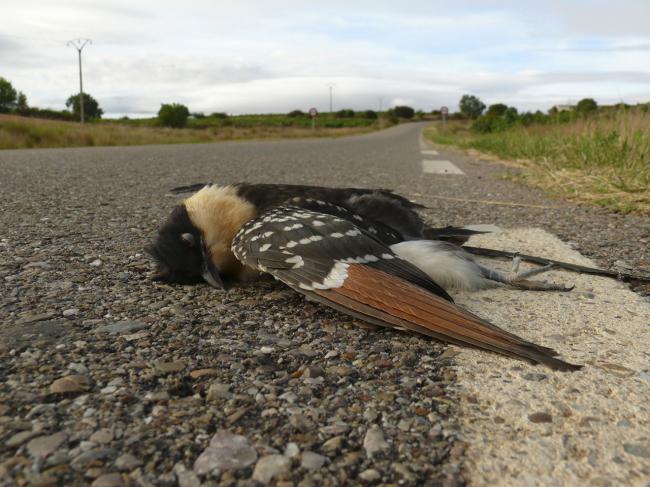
{"x":79,"y":44}
{"x":330,"y":87}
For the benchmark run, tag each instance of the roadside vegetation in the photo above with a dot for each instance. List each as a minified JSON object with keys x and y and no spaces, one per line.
{"x":586,"y":153}
{"x":25,"y":126}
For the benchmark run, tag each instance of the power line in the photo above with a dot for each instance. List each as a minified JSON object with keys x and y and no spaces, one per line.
{"x":79,"y":44}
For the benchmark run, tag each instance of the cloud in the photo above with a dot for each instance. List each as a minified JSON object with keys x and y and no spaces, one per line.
{"x":276,"y":56}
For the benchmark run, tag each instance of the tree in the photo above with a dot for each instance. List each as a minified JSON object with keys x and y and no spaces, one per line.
{"x":173,"y":115}
{"x":586,"y":106}
{"x":7,"y":95}
{"x":21,"y":102}
{"x":370,"y":114}
{"x":497,"y":110}
{"x":91,"y":107}
{"x":403,"y":111}
{"x":345,"y":113}
{"x":471,"y":106}
{"x":296,"y":114}
{"x":511,"y":115}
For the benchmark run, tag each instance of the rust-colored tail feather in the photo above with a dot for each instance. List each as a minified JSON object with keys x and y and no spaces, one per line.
{"x":388,"y":300}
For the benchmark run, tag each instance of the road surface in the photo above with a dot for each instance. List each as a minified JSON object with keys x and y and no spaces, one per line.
{"x":154,"y":371}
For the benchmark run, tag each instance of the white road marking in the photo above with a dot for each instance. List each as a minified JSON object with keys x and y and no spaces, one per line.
{"x":440,"y":167}
{"x":430,"y":152}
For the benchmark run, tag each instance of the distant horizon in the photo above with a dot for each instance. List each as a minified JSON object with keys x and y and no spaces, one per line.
{"x":275,"y":57}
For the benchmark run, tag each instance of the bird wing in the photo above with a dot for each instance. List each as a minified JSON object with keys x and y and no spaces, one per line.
{"x":332,"y":260}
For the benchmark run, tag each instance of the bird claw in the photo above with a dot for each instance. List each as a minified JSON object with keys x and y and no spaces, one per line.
{"x":520,"y":279}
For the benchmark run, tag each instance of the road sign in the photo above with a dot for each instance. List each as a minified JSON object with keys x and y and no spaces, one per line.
{"x":313,"y":112}
{"x":444,"y":111}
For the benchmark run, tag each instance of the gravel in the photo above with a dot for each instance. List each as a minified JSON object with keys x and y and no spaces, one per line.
{"x":134,"y":378}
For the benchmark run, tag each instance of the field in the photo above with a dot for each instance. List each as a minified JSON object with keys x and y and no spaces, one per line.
{"x":21,"y":132}
{"x":603,"y":159}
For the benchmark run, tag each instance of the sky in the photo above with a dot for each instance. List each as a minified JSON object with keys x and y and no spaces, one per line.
{"x":276,"y":56}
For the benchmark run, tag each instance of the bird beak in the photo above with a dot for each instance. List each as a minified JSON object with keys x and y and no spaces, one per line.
{"x":210,"y":272}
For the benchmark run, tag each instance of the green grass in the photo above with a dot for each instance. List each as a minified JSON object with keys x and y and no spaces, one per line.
{"x":22,"y":132}
{"x":604,"y":160}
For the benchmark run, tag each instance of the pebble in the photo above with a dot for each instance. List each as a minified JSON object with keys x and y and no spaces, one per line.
{"x":185,"y":477}
{"x":195,"y":374}
{"x":70,"y":383}
{"x":78,"y":368}
{"x":218,"y":390}
{"x":292,"y":450}
{"x":540,"y":417}
{"x":269,"y":467}
{"x":312,"y":461}
{"x":108,"y":480}
{"x":127,"y":462}
{"x":636,"y":450}
{"x":96,"y":263}
{"x":103,"y":435}
{"x":70,"y":312}
{"x":121,"y":327}
{"x":81,"y":461}
{"x":370,"y":475}
{"x":333,"y":444}
{"x":20,"y":438}
{"x":169,"y":367}
{"x":42,"y":446}
{"x":374,"y":441}
{"x":226,"y":451}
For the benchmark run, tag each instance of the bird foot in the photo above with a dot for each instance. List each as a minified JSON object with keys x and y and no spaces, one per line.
{"x":520,"y":279}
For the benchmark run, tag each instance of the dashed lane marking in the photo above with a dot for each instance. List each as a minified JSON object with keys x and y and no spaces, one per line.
{"x":440,"y":167}
{"x":430,"y":152}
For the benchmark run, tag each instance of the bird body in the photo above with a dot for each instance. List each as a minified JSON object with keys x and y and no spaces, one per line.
{"x":359,"y":251}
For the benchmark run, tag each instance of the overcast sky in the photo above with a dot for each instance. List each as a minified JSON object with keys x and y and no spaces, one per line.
{"x":275,"y":56}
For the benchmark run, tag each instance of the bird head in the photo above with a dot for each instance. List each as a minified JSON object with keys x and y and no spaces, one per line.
{"x":194,"y":242}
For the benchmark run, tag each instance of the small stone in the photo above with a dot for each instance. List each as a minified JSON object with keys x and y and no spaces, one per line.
{"x":312,"y":372}
{"x":312,"y":461}
{"x":70,"y":312}
{"x":218,"y":390}
{"x":70,"y":383}
{"x":374,"y":441}
{"x":78,"y":368}
{"x":340,"y":370}
{"x":269,"y":467}
{"x":291,"y":450}
{"x":540,"y":418}
{"x":226,"y":451}
{"x":33,"y":318}
{"x":169,"y":367}
{"x":186,"y":478}
{"x":96,"y":263}
{"x":42,"y":446}
{"x":195,"y":374}
{"x":333,"y":444}
{"x":370,"y":475}
{"x":108,"y":480}
{"x":289,"y":396}
{"x":127,"y":462}
{"x":121,"y":327}
{"x":267,"y":350}
{"x":535,"y":376}
{"x":103,"y":435}
{"x":82,"y":461}
{"x":20,"y":438}
{"x":636,"y":450}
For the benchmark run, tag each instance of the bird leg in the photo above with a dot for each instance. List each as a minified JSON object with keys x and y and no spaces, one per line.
{"x":519,"y":279}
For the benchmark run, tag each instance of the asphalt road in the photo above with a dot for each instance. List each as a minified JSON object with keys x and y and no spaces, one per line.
{"x":354,"y":402}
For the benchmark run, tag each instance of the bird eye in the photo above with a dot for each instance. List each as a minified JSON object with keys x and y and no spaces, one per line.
{"x":188,"y":238}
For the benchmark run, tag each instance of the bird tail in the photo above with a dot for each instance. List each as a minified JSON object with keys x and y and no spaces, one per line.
{"x":387,"y":300}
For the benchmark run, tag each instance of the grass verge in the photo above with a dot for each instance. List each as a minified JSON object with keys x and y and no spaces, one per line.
{"x":603,"y":160}
{"x":21,"y":132}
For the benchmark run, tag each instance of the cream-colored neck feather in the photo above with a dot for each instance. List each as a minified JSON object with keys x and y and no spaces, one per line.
{"x":218,"y":212}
